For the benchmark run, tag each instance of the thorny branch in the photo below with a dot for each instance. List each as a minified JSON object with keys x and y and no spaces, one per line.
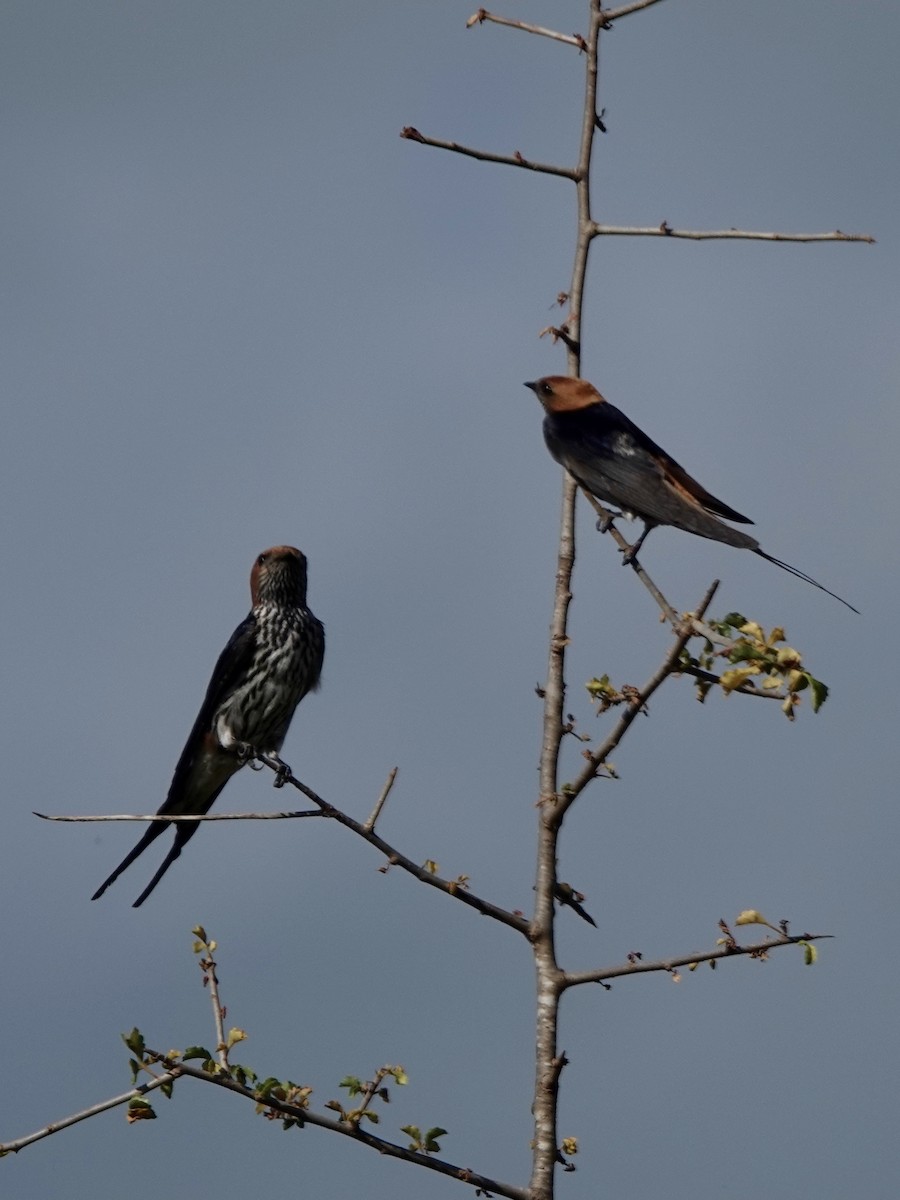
{"x":482,"y":15}
{"x":551,"y":980}
{"x":510,"y":160}
{"x":614,"y":14}
{"x":702,"y":235}
{"x":254,"y":816}
{"x":607,"y":518}
{"x":95,"y":1109}
{"x":729,"y":950}
{"x":452,"y":887}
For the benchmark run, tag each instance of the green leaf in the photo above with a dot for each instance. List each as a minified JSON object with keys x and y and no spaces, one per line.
{"x":196,"y":1052}
{"x":353,"y":1085}
{"x":431,"y":1140}
{"x":243,"y":1075}
{"x":265,"y":1087}
{"x":135,"y":1042}
{"x":810,"y":953}
{"x":819,"y":692}
{"x":371,"y":1116}
{"x":742,"y":651}
{"x":412,"y":1131}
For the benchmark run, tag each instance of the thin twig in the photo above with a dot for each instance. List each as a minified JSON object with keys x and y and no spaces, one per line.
{"x":509,"y":160}
{"x":381,"y":801}
{"x":613,"y":14}
{"x":208,"y":967}
{"x":482,"y":15}
{"x":449,"y":886}
{"x":171,"y":819}
{"x":703,"y":235}
{"x":93,"y":1111}
{"x":305,"y":1117}
{"x":607,"y":517}
{"x":576,"y":978}
{"x":670,"y":666}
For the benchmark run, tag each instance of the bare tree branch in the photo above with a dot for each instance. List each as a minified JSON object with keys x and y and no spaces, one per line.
{"x":549,"y":1060}
{"x":607,"y":518}
{"x":514,"y":160}
{"x":702,"y":235}
{"x":757,"y":950}
{"x":381,"y":801}
{"x":482,"y":15}
{"x":615,"y":14}
{"x":171,"y":819}
{"x":94,"y":1110}
{"x":452,"y":887}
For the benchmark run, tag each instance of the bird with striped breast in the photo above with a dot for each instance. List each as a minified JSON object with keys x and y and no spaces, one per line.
{"x":272,"y":660}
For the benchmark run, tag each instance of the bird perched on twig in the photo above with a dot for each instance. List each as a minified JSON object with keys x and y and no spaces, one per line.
{"x":272,"y":660}
{"x":614,"y":460}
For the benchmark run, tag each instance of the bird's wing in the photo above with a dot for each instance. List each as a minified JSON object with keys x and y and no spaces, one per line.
{"x":675,"y":474}
{"x":231,"y":666}
{"x":613,"y":457}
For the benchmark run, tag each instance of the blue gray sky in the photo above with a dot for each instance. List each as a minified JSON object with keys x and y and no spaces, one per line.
{"x":238,"y":310}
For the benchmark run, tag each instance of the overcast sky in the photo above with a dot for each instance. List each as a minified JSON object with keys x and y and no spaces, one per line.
{"x":239,"y":310}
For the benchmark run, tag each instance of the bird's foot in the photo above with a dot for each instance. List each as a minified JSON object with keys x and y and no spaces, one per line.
{"x":629,"y":555}
{"x":281,"y":769}
{"x":604,"y":522}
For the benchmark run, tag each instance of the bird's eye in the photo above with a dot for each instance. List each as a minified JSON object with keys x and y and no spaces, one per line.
{"x":546,"y":389}
{"x":261,"y":561}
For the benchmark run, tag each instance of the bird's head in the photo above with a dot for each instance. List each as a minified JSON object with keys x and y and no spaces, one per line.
{"x":279,"y":577}
{"x":559,"y":393}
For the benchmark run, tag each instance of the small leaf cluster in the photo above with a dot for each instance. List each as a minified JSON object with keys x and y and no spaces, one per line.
{"x":283,"y":1091}
{"x":424,"y":1143}
{"x":754,"y":654}
{"x":606,"y":695}
{"x":370,"y":1090}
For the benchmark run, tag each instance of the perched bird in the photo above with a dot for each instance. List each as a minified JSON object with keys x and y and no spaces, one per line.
{"x":615,"y":461}
{"x":272,"y":660}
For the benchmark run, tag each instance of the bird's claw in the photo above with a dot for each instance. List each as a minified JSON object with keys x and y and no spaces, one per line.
{"x":282,"y":774}
{"x":605,"y":522}
{"x":281,"y":769}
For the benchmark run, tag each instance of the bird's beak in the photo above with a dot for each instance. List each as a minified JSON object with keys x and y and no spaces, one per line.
{"x":532,"y":385}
